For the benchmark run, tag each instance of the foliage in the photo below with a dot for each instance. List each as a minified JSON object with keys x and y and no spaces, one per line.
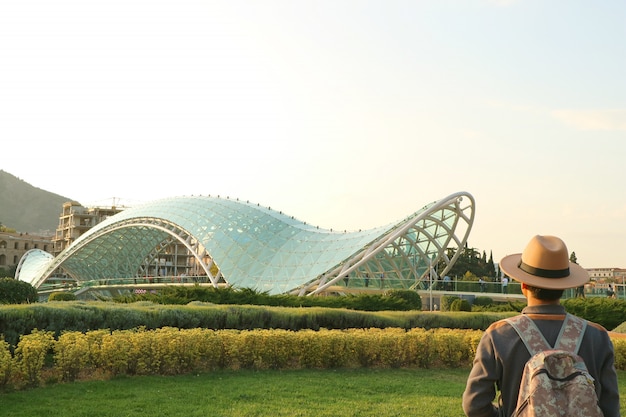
{"x":57,"y":317}
{"x":447,"y":300}
{"x":619,"y":347}
{"x":172,"y":351}
{"x":30,"y":355}
{"x":71,"y":354}
{"x":176,"y":294}
{"x":412,"y":298}
{"x":6,"y":363}
{"x":472,"y":261}
{"x":13,"y":291}
{"x":483,"y":301}
{"x":62,"y":296}
{"x":8,"y":271}
{"x":513,"y":306}
{"x":460,"y":305}
{"x":608,"y":312}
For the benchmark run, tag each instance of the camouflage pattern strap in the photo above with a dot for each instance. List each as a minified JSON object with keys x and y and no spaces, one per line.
{"x":569,"y":338}
{"x":571,"y":335}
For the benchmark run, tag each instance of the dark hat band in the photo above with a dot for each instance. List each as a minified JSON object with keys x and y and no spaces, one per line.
{"x":544,"y":273}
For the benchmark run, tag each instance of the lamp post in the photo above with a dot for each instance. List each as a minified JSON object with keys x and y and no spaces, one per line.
{"x":430,"y":279}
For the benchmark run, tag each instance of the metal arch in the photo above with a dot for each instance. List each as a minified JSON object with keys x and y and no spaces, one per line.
{"x":175,"y":231}
{"x":468,"y":220}
{"x":25,"y":258}
{"x":21,"y":262}
{"x":388,"y":239}
{"x":424,"y":233}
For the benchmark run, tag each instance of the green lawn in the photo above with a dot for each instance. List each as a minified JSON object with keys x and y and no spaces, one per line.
{"x":332,"y":393}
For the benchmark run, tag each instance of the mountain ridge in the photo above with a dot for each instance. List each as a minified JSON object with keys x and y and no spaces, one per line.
{"x":28,"y":209}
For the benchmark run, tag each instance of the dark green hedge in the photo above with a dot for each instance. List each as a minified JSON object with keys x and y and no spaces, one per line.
{"x":57,"y":316}
{"x":398,"y":300}
{"x":609,"y":312}
{"x":82,"y":316}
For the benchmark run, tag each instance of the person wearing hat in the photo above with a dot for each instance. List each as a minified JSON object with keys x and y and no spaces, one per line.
{"x":544,"y":271}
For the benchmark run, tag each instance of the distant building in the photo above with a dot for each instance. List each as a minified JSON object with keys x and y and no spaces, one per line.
{"x":14,"y":245}
{"x":607,"y":274}
{"x":75,"y":220}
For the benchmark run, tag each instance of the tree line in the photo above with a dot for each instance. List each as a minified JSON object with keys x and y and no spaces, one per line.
{"x":470,"y":264}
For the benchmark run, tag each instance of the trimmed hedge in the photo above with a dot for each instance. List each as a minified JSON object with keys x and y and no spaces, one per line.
{"x":609,"y":312}
{"x":83,"y":316}
{"x":400,"y":300}
{"x":171,"y":351}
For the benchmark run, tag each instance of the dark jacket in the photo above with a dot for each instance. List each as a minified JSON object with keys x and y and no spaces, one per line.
{"x":501,"y":356}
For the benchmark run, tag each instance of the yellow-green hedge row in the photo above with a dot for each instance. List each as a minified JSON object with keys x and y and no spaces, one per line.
{"x":167,"y":351}
{"x":100,"y":353}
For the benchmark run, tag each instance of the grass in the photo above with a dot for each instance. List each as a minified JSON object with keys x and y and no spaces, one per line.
{"x":299,"y":393}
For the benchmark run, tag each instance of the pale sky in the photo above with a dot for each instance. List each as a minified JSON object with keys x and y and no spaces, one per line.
{"x":344,"y":114}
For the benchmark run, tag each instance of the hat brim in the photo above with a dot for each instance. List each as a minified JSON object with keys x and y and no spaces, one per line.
{"x":577,"y":275}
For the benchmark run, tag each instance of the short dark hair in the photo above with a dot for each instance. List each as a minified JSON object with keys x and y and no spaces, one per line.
{"x":544,"y":293}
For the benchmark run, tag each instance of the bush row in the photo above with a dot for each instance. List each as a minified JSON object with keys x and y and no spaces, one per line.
{"x":608,"y":312}
{"x":17,"y":320}
{"x":40,"y":358}
{"x":83,"y":316}
{"x":169,"y":351}
{"x":401,"y":300}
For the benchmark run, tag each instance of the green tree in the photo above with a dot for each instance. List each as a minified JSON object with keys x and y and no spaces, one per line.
{"x":13,"y":291}
{"x":491,"y":266}
{"x":471,"y":260}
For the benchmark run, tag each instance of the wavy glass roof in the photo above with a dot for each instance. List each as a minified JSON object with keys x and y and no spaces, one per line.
{"x":245,"y":245}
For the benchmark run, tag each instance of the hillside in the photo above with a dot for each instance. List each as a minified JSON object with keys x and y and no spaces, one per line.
{"x":26,"y":208}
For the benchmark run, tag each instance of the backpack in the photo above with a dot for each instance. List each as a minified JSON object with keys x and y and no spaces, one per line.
{"x":555,"y":381}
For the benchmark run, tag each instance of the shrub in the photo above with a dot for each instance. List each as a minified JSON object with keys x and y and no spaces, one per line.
{"x":460,"y":305}
{"x":619,"y":345}
{"x":30,"y":354}
{"x":6,"y":363}
{"x":508,"y":306}
{"x":176,"y":294}
{"x":412,"y":299}
{"x":115,"y":352}
{"x":71,"y":354}
{"x":451,"y":347}
{"x":62,"y":296}
{"x":447,"y":300}
{"x":420,"y":348}
{"x":171,"y":351}
{"x":483,"y":301}
{"x":608,"y":312}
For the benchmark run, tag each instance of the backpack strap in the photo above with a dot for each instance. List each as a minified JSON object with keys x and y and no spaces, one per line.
{"x":530,"y":334}
{"x":571,"y":335}
{"x":569,"y":338}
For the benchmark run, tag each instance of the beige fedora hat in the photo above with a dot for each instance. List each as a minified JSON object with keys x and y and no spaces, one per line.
{"x":545,"y":264}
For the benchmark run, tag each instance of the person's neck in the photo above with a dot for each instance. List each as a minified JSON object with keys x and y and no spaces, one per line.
{"x":532,"y":301}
